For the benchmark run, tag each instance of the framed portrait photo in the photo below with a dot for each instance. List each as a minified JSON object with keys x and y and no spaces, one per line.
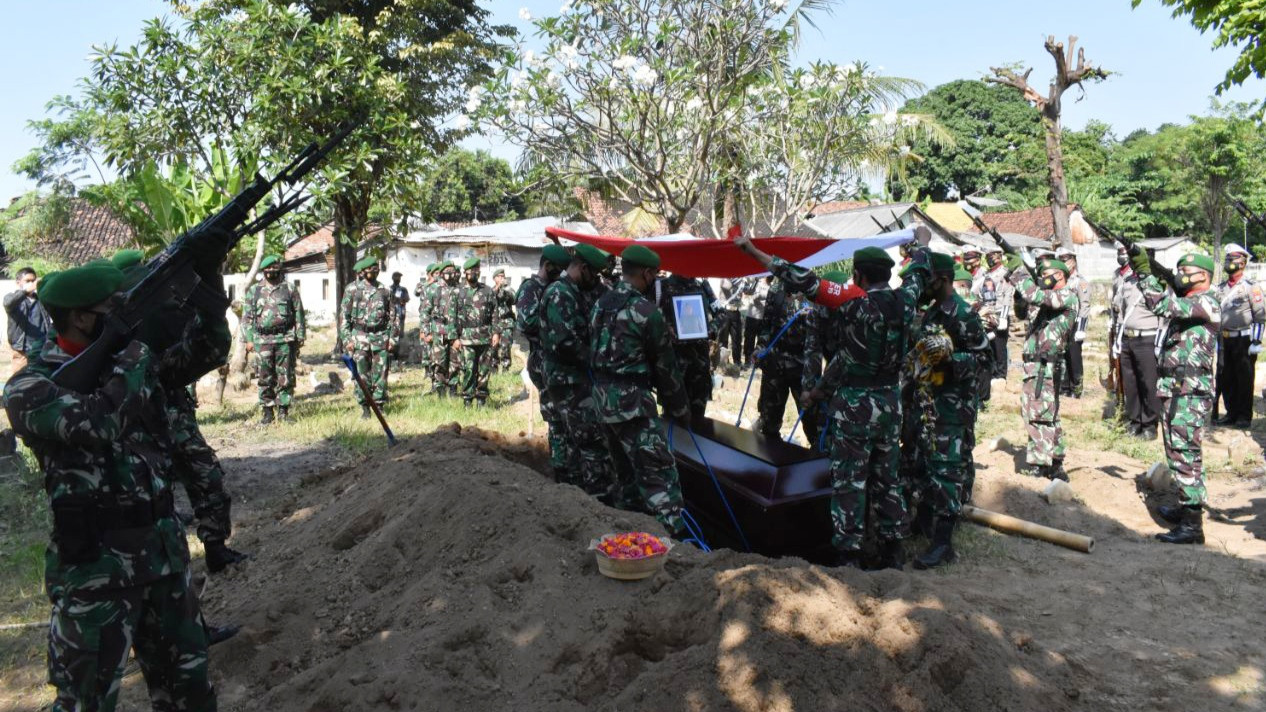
{"x":690,"y":317}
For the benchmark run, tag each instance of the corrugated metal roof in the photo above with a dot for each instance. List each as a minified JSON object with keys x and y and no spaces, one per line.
{"x":861,"y":222}
{"x":523,"y":233}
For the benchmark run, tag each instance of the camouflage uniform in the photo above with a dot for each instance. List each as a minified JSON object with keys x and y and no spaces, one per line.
{"x":1185,"y":385}
{"x":782,"y":368}
{"x":116,"y":569}
{"x":196,"y":466}
{"x":423,"y":292}
{"x":865,"y":404}
{"x":366,"y":323}
{"x":1070,"y":381}
{"x":946,"y":399}
{"x":504,"y":326}
{"x":583,"y":459}
{"x":274,"y":322}
{"x":1049,"y":333}
{"x":474,"y":315}
{"x":693,"y":356}
{"x":445,"y":361}
{"x":632,"y":354}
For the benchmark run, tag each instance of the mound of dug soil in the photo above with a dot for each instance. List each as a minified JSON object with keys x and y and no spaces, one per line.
{"x":442,"y":575}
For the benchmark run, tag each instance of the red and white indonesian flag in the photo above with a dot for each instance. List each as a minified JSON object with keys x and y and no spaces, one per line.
{"x":699,"y":257}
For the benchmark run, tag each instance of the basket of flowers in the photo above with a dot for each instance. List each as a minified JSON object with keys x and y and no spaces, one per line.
{"x":629,"y":556}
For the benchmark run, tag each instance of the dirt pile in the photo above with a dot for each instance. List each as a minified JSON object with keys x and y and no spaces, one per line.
{"x":441,"y":575}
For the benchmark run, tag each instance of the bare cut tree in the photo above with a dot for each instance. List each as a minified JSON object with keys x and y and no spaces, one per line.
{"x":1067,"y":75}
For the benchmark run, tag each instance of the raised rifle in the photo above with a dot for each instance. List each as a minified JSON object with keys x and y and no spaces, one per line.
{"x":187,"y":272}
{"x":1134,"y":249}
{"x":1007,"y":247}
{"x":1249,"y":215}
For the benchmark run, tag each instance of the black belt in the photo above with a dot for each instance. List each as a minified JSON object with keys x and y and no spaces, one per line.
{"x":886,"y":380}
{"x":100,"y":515}
{"x":1042,"y":359}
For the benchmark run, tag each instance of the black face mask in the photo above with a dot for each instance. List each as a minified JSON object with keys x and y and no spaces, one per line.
{"x":1049,"y":281}
{"x":272,"y":276}
{"x":1234,"y":267}
{"x":1185,"y":283}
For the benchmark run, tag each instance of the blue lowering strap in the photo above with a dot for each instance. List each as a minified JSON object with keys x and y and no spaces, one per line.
{"x":796,"y":424}
{"x":758,"y":356}
{"x":720,"y":492}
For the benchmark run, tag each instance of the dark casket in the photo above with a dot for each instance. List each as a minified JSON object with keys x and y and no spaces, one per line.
{"x":780,"y":493}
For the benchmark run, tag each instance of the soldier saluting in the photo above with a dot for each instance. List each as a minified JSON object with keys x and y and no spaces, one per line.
{"x":1243,"y":314}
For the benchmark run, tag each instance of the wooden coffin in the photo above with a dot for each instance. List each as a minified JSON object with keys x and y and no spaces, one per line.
{"x":779,"y":492}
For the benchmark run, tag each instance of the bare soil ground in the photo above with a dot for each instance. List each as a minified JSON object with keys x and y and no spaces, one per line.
{"x":448,"y":573}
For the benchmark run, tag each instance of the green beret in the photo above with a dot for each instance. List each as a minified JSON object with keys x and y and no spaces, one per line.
{"x":593,"y":256}
{"x":99,"y":262}
{"x":471,"y":263}
{"x":961,"y":274}
{"x":365,"y":263}
{"x":557,"y":254}
{"x":432,"y":267}
{"x":872,"y":256}
{"x":81,"y":286}
{"x":1195,"y":259}
{"x":835,"y":275}
{"x":127,"y":258}
{"x":1059,"y":265}
{"x":499,"y":271}
{"x":942,"y":263}
{"x":640,"y":256}
{"x":445,"y":265}
{"x":269,"y":261}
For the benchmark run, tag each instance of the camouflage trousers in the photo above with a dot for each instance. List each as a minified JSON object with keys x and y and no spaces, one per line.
{"x":424,"y":352}
{"x":195,"y":465}
{"x":863,"y":446}
{"x":554,"y":415}
{"x":373,"y":363}
{"x":948,"y":472}
{"x":584,"y":459}
{"x":501,"y":355}
{"x":646,"y":473}
{"x":696,"y":364}
{"x":1039,"y":407}
{"x":776,"y":384}
{"x":476,"y":366}
{"x":275,"y":371}
{"x":90,"y":634}
{"x":1186,"y":417}
{"x":445,"y":365}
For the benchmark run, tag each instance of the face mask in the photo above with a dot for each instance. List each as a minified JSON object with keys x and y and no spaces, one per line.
{"x":962,"y":291}
{"x":272,"y":276}
{"x":1186,"y":282}
{"x":1234,"y":267}
{"x":1049,"y":281}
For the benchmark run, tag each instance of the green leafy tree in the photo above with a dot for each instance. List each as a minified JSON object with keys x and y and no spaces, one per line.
{"x":997,"y":145}
{"x":31,"y":222}
{"x":467,"y":186}
{"x":1235,"y":24}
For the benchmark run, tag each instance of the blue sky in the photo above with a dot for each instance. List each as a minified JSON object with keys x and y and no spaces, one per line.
{"x":1166,"y":70}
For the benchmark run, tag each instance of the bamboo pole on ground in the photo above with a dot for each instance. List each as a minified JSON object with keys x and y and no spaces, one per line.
{"x":1014,"y":525}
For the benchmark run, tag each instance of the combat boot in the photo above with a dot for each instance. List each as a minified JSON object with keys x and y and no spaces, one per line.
{"x":942,"y":549}
{"x":1055,"y":470}
{"x":1189,"y":531}
{"x":892,"y":555}
{"x":220,"y":556}
{"x":268,"y":415}
{"x":220,"y":633}
{"x":283,"y":414}
{"x":1173,"y":514}
{"x":481,"y":402}
{"x":364,"y":412}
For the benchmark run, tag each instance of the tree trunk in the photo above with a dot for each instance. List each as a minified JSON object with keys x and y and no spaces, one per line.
{"x":1058,"y":184}
{"x":236,"y":370}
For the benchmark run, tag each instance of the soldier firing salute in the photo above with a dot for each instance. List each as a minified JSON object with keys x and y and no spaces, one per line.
{"x":1186,"y":382}
{"x":476,"y":338}
{"x":951,"y":352}
{"x":554,"y":259}
{"x":632,"y":360}
{"x":1243,"y":314}
{"x":1071,"y":383}
{"x":1049,"y":332}
{"x":274,"y":326}
{"x":368,"y":329}
{"x":565,"y":344}
{"x":862,"y":382}
{"x":1134,"y":336}
{"x":117,"y":565}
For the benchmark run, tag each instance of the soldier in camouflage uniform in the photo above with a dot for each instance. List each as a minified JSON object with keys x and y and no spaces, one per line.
{"x":862,"y":381}
{"x":951,"y":353}
{"x":504,"y":319}
{"x":368,"y":331}
{"x":117,"y":565}
{"x":1070,"y":382}
{"x":475,"y":337}
{"x":554,"y":259}
{"x":1185,"y":385}
{"x":782,"y":363}
{"x":565,"y":342}
{"x":274,"y":326}
{"x":821,"y":343}
{"x":194,"y":463}
{"x":1243,"y":315}
{"x":425,"y":292}
{"x":445,"y":360}
{"x":693,"y":356}
{"x":632,"y":354}
{"x":1049,"y":333}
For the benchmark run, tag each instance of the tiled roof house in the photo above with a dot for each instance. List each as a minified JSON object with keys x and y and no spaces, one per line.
{"x":93,"y":231}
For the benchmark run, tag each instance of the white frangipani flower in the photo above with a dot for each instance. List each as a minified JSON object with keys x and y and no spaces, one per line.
{"x":890,"y":117}
{"x":807,"y":81}
{"x":529,"y":58}
{"x":525,"y":14}
{"x":625,"y":61}
{"x":461,"y":123}
{"x":644,"y":75}
{"x":566,"y":7}
{"x":777,"y":5}
{"x":694,"y":104}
